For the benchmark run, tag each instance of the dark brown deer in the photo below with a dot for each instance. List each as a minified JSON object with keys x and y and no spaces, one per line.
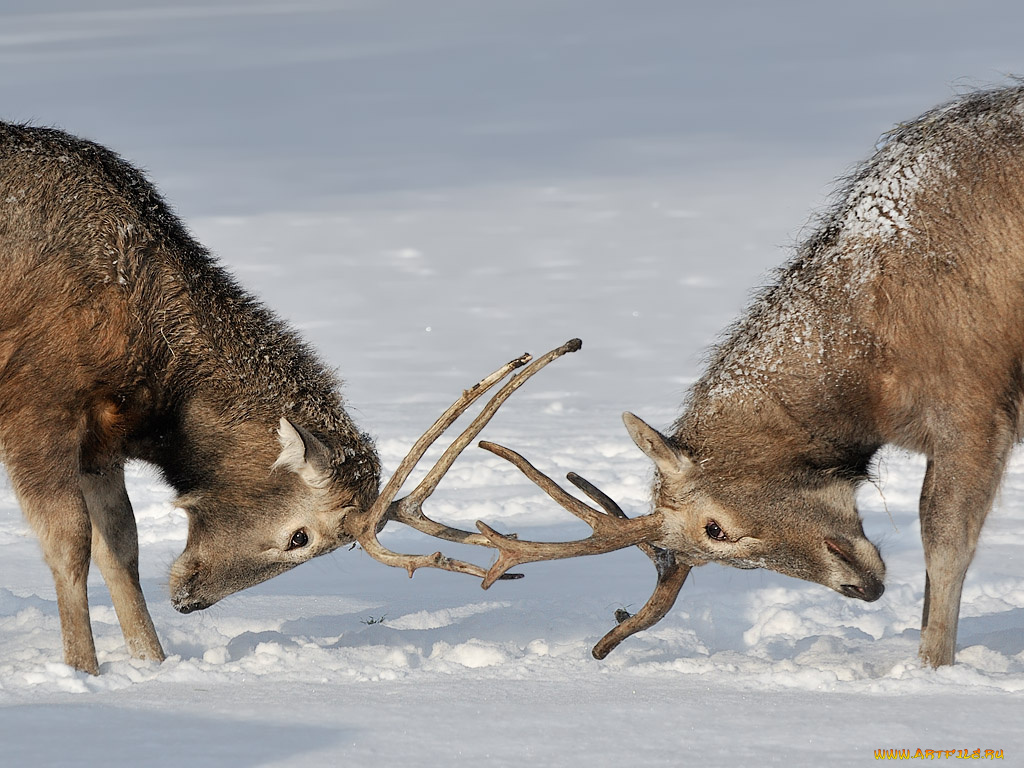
{"x":120,"y":339}
{"x":900,"y":321}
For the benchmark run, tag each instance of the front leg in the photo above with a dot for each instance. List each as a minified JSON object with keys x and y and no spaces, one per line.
{"x":41,"y":455}
{"x":115,"y":548}
{"x":61,"y":521}
{"x":959,"y":488}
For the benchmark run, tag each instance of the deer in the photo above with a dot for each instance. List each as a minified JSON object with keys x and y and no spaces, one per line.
{"x":899,"y":321}
{"x":122,"y":339}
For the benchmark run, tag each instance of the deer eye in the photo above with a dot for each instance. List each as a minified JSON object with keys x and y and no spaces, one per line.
{"x":299,"y":539}
{"x":714,"y":531}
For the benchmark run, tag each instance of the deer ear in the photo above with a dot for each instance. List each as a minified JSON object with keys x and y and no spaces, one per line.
{"x":658,"y":448}
{"x":303,"y":454}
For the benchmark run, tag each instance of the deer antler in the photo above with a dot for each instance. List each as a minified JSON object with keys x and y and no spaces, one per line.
{"x":612,"y":530}
{"x":408,"y":510}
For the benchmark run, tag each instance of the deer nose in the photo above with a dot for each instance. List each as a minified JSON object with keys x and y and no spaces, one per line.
{"x":870,"y":591}
{"x":183,"y":599}
{"x":870,"y":587}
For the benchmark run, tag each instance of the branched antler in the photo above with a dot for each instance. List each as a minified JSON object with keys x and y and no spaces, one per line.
{"x":612,"y":530}
{"x":408,"y":510}
{"x":671,"y":575}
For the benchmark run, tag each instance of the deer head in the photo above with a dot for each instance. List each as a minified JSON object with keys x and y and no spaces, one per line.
{"x":810,"y":531}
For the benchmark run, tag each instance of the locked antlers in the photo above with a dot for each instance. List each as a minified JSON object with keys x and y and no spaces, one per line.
{"x":408,"y":510}
{"x":612,"y":529}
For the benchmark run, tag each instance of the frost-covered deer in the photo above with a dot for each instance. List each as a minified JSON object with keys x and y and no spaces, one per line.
{"x":120,"y":338}
{"x":900,"y":321}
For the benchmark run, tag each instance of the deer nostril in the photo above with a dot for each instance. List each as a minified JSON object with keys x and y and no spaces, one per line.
{"x":869,"y":592}
{"x":873,"y":590}
{"x":870,"y":587}
{"x":184,"y":599}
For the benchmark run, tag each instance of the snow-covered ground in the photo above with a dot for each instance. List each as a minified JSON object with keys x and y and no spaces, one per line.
{"x":428,"y":189}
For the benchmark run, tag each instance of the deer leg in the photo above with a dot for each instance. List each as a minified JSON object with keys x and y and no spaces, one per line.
{"x":115,"y":549}
{"x":957,"y":494}
{"x":61,"y":522}
{"x":41,"y":453}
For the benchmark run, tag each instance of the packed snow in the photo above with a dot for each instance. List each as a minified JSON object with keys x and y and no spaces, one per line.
{"x":426,"y":190}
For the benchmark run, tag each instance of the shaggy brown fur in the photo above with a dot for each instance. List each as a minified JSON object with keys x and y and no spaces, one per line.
{"x":120,"y":338}
{"x":900,"y":321}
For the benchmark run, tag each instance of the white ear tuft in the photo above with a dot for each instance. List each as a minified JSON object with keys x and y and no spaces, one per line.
{"x":293,"y":450}
{"x":657,"y":447}
{"x":302,"y":454}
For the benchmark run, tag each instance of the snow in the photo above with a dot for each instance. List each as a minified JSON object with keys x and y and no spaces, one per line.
{"x":881,"y":203}
{"x":427,"y":190}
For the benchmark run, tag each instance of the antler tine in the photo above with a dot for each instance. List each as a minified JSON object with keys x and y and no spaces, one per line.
{"x":428,"y":438}
{"x":611,"y":531}
{"x":588,"y":515}
{"x":599,"y":497}
{"x":671,"y":575}
{"x":408,"y":510}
